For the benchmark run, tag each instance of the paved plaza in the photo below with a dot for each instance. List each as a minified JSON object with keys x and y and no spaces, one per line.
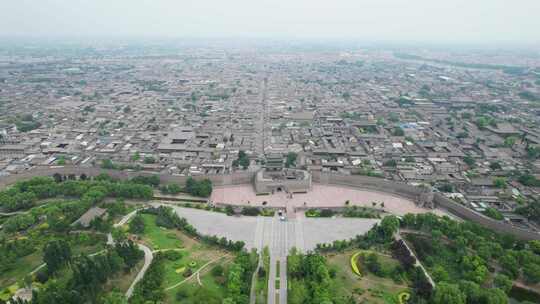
{"x":279,"y":236}
{"x":319,"y":196}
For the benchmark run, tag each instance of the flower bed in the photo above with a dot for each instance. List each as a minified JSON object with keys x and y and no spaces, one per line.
{"x":354,"y":264}
{"x":404,"y":297}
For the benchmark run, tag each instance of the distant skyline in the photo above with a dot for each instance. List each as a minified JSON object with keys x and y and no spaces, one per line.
{"x":415,"y":21}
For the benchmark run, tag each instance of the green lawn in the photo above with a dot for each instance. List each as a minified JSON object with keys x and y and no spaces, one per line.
{"x":369,"y":287}
{"x":212,"y":290}
{"x":158,"y":237}
{"x":194,"y":255}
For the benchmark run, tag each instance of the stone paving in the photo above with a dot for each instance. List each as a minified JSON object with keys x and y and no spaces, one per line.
{"x":258,"y":232}
{"x":319,"y":196}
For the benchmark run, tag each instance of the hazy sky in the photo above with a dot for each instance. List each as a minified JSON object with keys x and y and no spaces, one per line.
{"x":469,"y":21}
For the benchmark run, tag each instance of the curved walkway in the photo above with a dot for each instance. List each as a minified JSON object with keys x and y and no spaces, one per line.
{"x":148,"y":257}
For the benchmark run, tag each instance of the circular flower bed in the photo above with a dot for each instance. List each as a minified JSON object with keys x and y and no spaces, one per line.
{"x":404,"y":297}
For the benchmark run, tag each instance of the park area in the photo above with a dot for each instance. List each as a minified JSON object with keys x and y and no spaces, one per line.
{"x":28,"y":265}
{"x":347,"y":276}
{"x":194,"y":272}
{"x":384,"y":287}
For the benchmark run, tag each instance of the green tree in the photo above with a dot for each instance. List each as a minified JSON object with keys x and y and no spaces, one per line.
{"x":149,"y":160}
{"x":466,"y":115}
{"x":137,"y":225}
{"x":472,"y":291}
{"x":535,"y":246}
{"x":531,"y":272}
{"x":493,"y":213}
{"x":503,"y":282}
{"x":136,"y":156}
{"x":298,"y":293}
{"x":510,"y":141}
{"x":242,"y":160}
{"x":440,"y":274}
{"x":509,"y":265}
{"x":494,"y":296}
{"x":469,"y":161}
{"x":446,"y":187}
{"x":107,"y":164}
{"x":56,"y":254}
{"x":448,"y":294}
{"x":398,"y":132}
{"x":533,"y":152}
{"x":390,"y":225}
{"x":373,"y":264}
{"x":291,"y":159}
{"x":500,"y":182}
{"x":481,"y":122}
{"x":495,"y":165}
{"x":115,"y":298}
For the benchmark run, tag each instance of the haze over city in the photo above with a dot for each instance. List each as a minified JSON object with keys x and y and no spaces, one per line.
{"x":426,"y":21}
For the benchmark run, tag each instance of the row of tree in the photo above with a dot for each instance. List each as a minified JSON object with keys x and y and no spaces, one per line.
{"x":239,"y":278}
{"x":24,"y":194}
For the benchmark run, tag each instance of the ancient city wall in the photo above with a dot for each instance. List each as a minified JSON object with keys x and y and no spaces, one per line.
{"x":238,"y":178}
{"x":469,"y":214}
{"x":367,"y":182}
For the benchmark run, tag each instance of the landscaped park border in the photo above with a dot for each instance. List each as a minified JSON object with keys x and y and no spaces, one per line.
{"x":241,"y":178}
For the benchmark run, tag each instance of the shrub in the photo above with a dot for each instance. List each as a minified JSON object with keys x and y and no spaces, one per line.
{"x":251,"y":211}
{"x":172,"y":255}
{"x":187,"y":273}
{"x":217,"y":271}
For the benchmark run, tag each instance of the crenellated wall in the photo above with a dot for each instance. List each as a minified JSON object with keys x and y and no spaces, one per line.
{"x":367,"y":182}
{"x":238,"y":178}
{"x":469,"y":214}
